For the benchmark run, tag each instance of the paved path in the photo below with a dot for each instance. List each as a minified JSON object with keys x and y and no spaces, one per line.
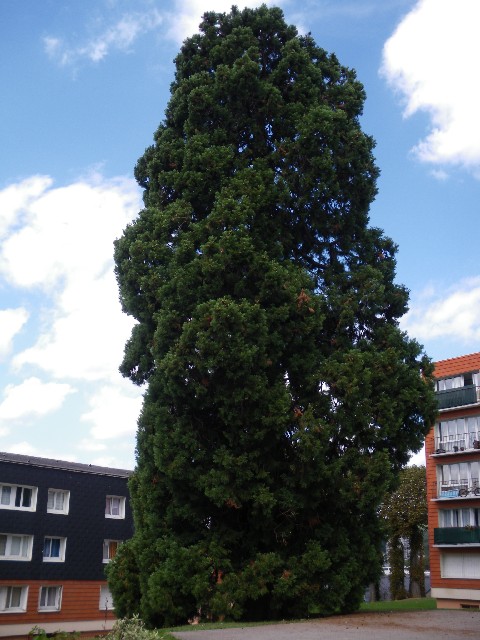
{"x":419,"y":625}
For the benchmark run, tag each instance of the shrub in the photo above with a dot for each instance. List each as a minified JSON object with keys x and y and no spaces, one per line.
{"x":133,"y":629}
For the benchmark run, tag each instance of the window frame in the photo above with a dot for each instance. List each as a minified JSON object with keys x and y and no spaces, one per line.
{"x":61,"y":549}
{"x":11,"y":504}
{"x":459,"y":517}
{"x":466,"y":565}
{"x":105,"y":599}
{"x":58,"y":598}
{"x":106,"y":547}
{"x":121,"y":507}
{"x":8,"y":545}
{"x":66,"y":501}
{"x":4,"y":596}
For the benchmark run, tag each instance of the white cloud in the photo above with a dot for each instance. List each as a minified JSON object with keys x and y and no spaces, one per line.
{"x":28,"y":449}
{"x":451,"y":314}
{"x":417,"y":459}
{"x":32,"y":397}
{"x":57,"y":255}
{"x":119,"y":36}
{"x":86,"y":334}
{"x":87,"y":444}
{"x":184,"y":21}
{"x":431,"y":60}
{"x":65,"y":249}
{"x":11,"y":321}
{"x":15,"y":197}
{"x":114,"y":411}
{"x":439,"y":174}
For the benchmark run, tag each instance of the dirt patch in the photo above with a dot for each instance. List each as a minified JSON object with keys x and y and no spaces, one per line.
{"x":418,"y":625}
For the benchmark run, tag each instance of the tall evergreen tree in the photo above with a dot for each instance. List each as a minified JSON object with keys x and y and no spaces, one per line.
{"x":281,"y":396}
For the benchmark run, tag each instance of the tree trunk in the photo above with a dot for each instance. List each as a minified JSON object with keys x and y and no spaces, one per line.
{"x":417,"y":565}
{"x":397,"y":569}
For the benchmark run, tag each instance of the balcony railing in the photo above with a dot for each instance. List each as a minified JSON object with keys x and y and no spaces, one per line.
{"x":458,"y":397}
{"x":457,"y":442}
{"x":464,"y":488}
{"x":457,"y":535}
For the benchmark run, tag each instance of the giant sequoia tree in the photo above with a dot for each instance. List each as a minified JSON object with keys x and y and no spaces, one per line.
{"x":281,"y":396}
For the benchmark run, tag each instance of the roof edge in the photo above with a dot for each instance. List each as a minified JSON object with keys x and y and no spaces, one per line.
{"x":76,"y":467}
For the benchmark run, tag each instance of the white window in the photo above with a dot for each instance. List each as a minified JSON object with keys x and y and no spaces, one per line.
{"x":460,"y":565}
{"x":15,"y":547}
{"x":54,"y":549}
{"x":462,"y":433}
{"x":50,"y":599}
{"x":459,"y":517}
{"x":58,"y":501}
{"x":110,"y":549}
{"x":106,"y":599}
{"x":115,"y":507}
{"x":13,"y":599}
{"x":14,"y":496}
{"x":462,"y":474}
{"x":464,"y":380}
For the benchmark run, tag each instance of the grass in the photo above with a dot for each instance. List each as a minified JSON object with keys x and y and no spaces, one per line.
{"x":409,"y":604}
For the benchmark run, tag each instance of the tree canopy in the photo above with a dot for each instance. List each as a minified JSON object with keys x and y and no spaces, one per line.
{"x":281,"y":396}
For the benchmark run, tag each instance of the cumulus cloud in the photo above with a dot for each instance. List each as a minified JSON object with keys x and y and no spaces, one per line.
{"x":57,"y":255}
{"x":23,"y":447}
{"x":119,"y":36}
{"x":114,"y":411}
{"x":64,"y":249}
{"x":451,"y":314}
{"x":11,"y":321}
{"x":16,"y":197}
{"x":431,"y":61}
{"x":184,"y":21}
{"x":32,"y":398}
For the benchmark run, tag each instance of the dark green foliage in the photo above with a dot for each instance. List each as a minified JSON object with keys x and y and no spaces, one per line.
{"x":125,"y":586}
{"x":405,"y":515}
{"x":282,"y":397}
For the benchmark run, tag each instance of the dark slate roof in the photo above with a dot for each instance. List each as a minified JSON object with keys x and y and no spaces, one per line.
{"x":79,"y":467}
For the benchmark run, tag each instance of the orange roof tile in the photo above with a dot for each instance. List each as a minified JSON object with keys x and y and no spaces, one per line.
{"x":455,"y":366}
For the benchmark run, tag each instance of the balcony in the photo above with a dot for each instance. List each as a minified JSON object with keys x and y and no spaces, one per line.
{"x":456,"y":535}
{"x":457,"y":397}
{"x":462,"y":489}
{"x":457,"y":442}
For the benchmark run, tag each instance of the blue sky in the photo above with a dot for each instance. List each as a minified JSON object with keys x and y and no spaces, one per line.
{"x":84,"y":86}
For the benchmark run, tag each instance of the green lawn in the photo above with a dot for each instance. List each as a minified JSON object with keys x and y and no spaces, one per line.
{"x":410,"y":604}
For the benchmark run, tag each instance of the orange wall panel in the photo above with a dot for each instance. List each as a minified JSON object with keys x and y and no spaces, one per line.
{"x":80,"y":601}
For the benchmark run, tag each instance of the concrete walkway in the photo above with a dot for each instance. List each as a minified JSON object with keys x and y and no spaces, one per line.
{"x":419,"y":625}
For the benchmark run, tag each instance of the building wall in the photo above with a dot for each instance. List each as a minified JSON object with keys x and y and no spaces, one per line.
{"x":85,"y":527}
{"x":451,"y":592}
{"x":82,"y":573}
{"x":80,"y":601}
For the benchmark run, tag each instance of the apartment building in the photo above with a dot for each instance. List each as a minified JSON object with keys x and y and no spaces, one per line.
{"x":60,"y":524}
{"x":453,"y":484}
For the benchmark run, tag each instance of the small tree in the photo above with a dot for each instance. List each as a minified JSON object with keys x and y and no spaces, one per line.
{"x":282,"y":396}
{"x":405,"y":514}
